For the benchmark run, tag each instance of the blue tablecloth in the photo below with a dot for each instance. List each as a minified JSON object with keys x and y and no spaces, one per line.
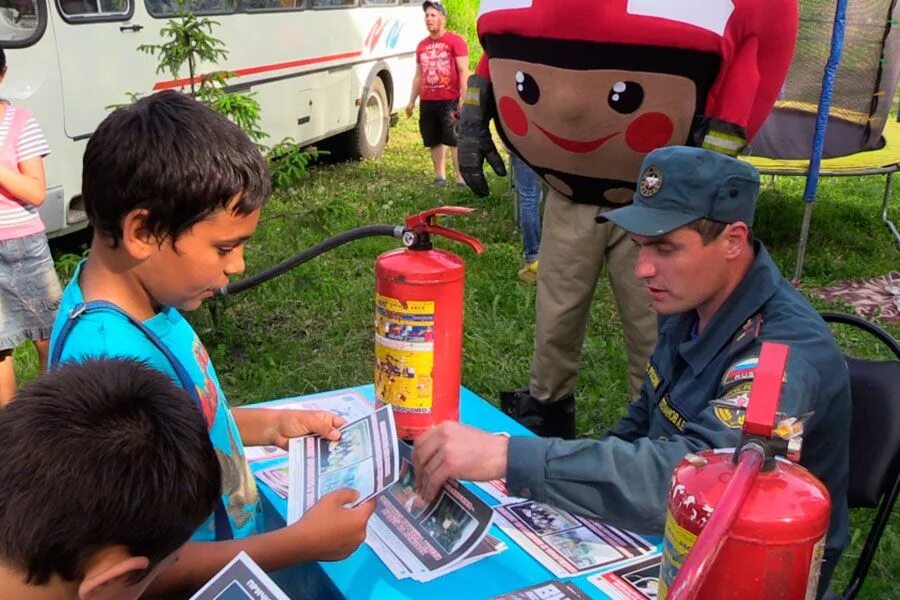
{"x":363,"y":575}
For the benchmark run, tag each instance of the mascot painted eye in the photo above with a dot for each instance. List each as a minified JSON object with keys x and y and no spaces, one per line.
{"x":625,"y":97}
{"x":528,"y":88}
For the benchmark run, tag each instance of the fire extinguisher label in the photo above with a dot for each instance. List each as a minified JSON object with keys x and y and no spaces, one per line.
{"x":404,"y":353}
{"x":677,"y":542}
{"x":815,"y":569}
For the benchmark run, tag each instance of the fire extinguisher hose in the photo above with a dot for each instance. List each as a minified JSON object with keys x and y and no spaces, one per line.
{"x":703,"y":555}
{"x":310,"y":253}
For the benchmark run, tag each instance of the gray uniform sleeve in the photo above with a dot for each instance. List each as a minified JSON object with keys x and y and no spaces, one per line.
{"x":626,"y":481}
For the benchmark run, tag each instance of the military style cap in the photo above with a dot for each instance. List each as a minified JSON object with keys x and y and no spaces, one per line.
{"x":436,"y":5}
{"x":679,"y":185}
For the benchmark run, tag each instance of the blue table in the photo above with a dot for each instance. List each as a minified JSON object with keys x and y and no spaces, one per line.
{"x":363,"y":575}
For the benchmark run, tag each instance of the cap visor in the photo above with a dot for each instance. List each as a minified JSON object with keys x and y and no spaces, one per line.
{"x":649,"y":222}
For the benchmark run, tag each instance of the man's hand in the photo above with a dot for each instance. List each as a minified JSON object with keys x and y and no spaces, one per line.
{"x":329,"y":530}
{"x":475,"y":142}
{"x":454,"y":451}
{"x":287,"y":424}
{"x":409,"y":109}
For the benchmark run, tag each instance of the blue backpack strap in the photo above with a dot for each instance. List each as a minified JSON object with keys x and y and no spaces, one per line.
{"x":222,"y":523}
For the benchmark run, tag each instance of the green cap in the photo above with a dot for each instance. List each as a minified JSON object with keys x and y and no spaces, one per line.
{"x":680,"y":184}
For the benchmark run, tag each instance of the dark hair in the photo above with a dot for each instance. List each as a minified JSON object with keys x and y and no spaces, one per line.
{"x":106,"y":452}
{"x":174,"y":157}
{"x":709,"y":230}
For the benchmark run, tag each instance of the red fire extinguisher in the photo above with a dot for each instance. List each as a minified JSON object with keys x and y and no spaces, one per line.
{"x":747,"y":524}
{"x":418,"y":325}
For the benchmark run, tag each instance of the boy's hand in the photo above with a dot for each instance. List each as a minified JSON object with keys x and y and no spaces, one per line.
{"x":287,"y":424}
{"x":330,"y":531}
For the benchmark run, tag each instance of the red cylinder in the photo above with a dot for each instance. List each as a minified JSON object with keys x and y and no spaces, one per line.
{"x":775,"y":546}
{"x":418,"y":336}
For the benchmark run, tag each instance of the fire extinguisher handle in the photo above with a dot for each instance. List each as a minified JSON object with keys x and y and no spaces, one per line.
{"x":426,"y":222}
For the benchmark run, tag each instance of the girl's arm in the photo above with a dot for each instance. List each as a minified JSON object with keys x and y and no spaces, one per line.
{"x":28,"y":184}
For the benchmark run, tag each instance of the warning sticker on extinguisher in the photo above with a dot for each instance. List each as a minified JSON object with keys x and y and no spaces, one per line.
{"x":677,"y":542}
{"x":404,"y":353}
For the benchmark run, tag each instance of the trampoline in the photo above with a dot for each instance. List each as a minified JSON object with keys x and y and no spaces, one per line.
{"x":832,"y":118}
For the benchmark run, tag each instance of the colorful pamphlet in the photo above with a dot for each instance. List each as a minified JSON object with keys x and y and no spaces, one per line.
{"x":241,"y":579}
{"x":550,"y":590}
{"x":634,"y":581}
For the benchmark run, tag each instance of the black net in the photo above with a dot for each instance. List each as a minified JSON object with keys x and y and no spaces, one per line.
{"x":863,"y":88}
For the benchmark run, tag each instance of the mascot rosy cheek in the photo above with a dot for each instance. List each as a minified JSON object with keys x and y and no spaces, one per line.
{"x":582,"y":90}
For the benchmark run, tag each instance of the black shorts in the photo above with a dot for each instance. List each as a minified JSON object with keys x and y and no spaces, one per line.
{"x":437,"y":122}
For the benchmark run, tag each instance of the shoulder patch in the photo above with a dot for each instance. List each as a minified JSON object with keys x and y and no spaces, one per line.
{"x":731,"y":407}
{"x":732,"y":418}
{"x":742,"y":370}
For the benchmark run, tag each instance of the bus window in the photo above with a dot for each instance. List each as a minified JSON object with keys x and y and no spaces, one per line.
{"x":377,"y":2}
{"x":253,"y":5}
{"x":332,"y":3}
{"x":169,"y":8}
{"x":95,"y":10}
{"x":21,"y":22}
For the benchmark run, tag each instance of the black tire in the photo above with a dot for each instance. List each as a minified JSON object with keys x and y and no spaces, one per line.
{"x":368,"y":138}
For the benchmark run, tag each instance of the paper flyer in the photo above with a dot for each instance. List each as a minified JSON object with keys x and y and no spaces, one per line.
{"x":349,"y":405}
{"x":635,"y":581}
{"x":365,"y":459}
{"x":426,"y":540}
{"x":277,"y":478}
{"x":550,"y":590}
{"x":568,"y":545}
{"x":241,"y":579}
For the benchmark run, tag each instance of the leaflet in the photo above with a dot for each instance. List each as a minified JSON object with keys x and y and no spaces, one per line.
{"x":550,"y":590}
{"x":567,"y":544}
{"x":349,"y":405}
{"x":277,"y":478}
{"x":241,"y":578}
{"x":365,"y":458}
{"x":635,"y":581}
{"x":426,"y":540}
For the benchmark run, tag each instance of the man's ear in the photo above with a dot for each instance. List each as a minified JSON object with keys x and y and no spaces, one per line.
{"x":737,"y":240}
{"x":137,"y":239}
{"x":110,"y":573}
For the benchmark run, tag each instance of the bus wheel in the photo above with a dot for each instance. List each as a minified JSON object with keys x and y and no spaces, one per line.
{"x":368,"y":138}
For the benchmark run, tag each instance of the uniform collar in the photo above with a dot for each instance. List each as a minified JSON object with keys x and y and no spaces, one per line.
{"x":754,"y":290}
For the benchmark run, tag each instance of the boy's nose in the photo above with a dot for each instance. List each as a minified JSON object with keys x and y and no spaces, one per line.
{"x":236,"y":265}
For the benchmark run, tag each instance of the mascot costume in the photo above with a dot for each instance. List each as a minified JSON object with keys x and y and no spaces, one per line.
{"x":582,"y":91}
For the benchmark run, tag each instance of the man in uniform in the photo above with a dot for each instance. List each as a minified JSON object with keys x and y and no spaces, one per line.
{"x":720,"y":296}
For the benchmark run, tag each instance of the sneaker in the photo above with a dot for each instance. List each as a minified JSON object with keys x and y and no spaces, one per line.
{"x":439,"y":182}
{"x":461,"y":185}
{"x":528,"y":273}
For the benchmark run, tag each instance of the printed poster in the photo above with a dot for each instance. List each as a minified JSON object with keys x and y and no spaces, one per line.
{"x":550,"y":590}
{"x":404,"y":353}
{"x":426,"y":540}
{"x":277,"y":478}
{"x":568,"y":545}
{"x":241,"y":579}
{"x":635,"y":581}
{"x":349,"y":405}
{"x":365,"y":458}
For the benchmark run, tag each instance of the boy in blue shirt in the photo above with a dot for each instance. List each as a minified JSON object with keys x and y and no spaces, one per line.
{"x":173,"y":191}
{"x":106,"y":471}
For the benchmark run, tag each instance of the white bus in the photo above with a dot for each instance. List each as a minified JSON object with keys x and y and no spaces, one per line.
{"x":319,"y":67}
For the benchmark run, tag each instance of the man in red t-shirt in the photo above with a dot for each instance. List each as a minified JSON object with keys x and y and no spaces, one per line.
{"x":442,"y":68}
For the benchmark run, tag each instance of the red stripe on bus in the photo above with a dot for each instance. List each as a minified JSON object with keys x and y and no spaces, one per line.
{"x":166,"y":85}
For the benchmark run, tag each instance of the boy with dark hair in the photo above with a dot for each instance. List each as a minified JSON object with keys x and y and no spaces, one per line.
{"x":174,"y":191}
{"x":117,"y":474}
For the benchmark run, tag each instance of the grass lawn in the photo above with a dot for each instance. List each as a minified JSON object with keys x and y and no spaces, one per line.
{"x":311,"y":329}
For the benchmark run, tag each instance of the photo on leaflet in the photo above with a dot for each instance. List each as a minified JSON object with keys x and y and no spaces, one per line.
{"x":542,"y":519}
{"x":449,"y":524}
{"x":359,"y":477}
{"x":354,"y":446}
{"x":405,"y":490}
{"x":582,"y":547}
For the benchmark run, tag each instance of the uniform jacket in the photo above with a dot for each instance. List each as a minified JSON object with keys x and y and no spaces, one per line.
{"x":624,"y":478}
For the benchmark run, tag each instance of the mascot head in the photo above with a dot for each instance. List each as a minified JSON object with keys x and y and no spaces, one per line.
{"x":584,"y":90}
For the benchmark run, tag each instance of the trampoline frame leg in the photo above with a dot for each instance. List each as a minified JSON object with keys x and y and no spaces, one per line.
{"x":804,"y":238}
{"x":884,"y":207}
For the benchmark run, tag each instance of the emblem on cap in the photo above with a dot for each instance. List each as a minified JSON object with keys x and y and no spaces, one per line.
{"x":651,"y":181}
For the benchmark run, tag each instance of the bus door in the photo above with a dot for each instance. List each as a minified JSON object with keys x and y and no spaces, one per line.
{"x":98,"y":57}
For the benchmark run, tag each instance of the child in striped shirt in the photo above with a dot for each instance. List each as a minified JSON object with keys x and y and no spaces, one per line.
{"x":29,"y":288}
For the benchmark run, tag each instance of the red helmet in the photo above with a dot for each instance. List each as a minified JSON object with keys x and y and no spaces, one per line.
{"x":753,"y":41}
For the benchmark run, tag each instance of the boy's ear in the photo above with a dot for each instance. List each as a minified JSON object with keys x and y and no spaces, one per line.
{"x":137,"y":239}
{"x":109,"y":573}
